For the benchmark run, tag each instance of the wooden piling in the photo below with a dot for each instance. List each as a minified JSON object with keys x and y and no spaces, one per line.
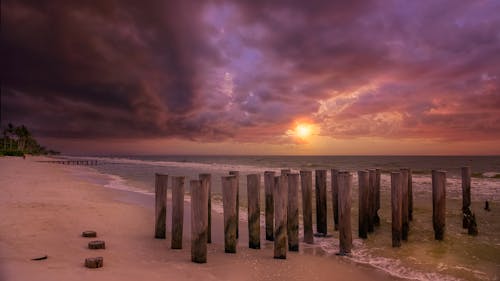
{"x":237,"y":174}
{"x":466,"y":183}
{"x":410,"y":195}
{"x":253,"y":191}
{"x":376,"y":218}
{"x":371,"y":199}
{"x":335,"y":198}
{"x":285,"y":171}
{"x":306,"y":188}
{"x":206,"y":179}
{"x":293,"y":213}
{"x":397,"y":205}
{"x":438,"y":203}
{"x":345,"y":234}
{"x":268,"y":190}
{"x":364,"y":213}
{"x":280,"y":220}
{"x":405,"y":225}
{"x":199,"y":221}
{"x":177,"y":211}
{"x":229,"y":195}
{"x":321,"y":222}
{"x":160,"y":205}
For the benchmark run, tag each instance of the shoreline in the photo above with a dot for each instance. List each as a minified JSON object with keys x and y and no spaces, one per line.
{"x":46,"y":208}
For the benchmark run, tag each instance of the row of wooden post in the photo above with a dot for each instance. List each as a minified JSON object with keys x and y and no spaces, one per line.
{"x":282,"y":210}
{"x":73,"y":162}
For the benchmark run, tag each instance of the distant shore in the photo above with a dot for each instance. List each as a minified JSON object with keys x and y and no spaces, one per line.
{"x":45,"y":208}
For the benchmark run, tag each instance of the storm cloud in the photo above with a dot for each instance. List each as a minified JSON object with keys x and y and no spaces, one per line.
{"x":245,"y":70}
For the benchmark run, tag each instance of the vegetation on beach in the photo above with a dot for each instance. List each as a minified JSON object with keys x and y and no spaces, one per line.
{"x":18,"y":141}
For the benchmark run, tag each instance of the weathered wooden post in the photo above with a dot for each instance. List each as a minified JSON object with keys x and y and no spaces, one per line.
{"x":253,"y":191}
{"x":372,"y":174}
{"x":285,"y":171}
{"x":363,"y":179}
{"x":345,"y":234}
{"x":438,"y":203}
{"x":321,"y":223}
{"x":229,"y":194}
{"x":161,"y":205}
{"x":466,"y":183}
{"x":306,"y":189}
{"x":177,"y":211}
{"x":396,"y":204}
{"x":410,"y":195}
{"x":206,"y":179}
{"x":268,"y":190}
{"x":405,"y":225}
{"x":293,"y":213}
{"x":280,"y":218}
{"x":237,"y":174}
{"x":335,"y":197}
{"x":376,"y":218}
{"x":199,"y":221}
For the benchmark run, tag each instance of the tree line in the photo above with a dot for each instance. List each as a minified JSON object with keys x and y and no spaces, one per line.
{"x":18,"y":141}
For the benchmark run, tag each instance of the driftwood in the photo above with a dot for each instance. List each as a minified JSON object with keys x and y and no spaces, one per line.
{"x":40,"y":258}
{"x":94,"y":262}
{"x":89,"y":233}
{"x":97,"y":244}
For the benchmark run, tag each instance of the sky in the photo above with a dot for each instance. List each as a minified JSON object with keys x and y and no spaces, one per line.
{"x":254,"y":77}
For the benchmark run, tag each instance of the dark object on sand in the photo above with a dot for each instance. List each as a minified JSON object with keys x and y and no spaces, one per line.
{"x":89,"y":233}
{"x":97,"y":244}
{"x":40,"y":258}
{"x":487,"y":206}
{"x":94,"y":262}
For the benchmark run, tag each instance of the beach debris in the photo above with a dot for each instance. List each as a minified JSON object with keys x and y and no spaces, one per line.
{"x":40,"y":258}
{"x":94,"y":262}
{"x":89,"y":233}
{"x":487,"y":206}
{"x":97,"y":244}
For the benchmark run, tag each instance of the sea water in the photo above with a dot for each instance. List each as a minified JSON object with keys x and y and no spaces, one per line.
{"x":458,"y":257}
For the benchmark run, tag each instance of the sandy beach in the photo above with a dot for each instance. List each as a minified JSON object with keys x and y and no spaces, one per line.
{"x":45,"y":209}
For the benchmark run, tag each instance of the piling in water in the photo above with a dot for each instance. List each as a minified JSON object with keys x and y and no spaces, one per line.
{"x":396,"y":205}
{"x":253,"y":190}
{"x":237,"y":175}
{"x":280,"y":220}
{"x":160,"y":205}
{"x":229,"y":194}
{"x":410,"y":195}
{"x":306,"y":188}
{"x":177,"y":211}
{"x":405,"y":226}
{"x":376,"y":217}
{"x":363,"y":218}
{"x":206,"y":179}
{"x":199,"y":221}
{"x":293,"y":212}
{"x":438,"y":203}
{"x":321,"y":222}
{"x":371,"y":199}
{"x":345,"y":234}
{"x":466,"y":183}
{"x":335,"y":198}
{"x":268,"y":190}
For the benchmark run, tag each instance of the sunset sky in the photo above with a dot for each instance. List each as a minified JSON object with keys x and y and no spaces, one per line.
{"x":254,"y":77}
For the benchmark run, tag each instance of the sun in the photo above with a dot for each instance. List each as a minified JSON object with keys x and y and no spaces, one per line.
{"x":303,"y":131}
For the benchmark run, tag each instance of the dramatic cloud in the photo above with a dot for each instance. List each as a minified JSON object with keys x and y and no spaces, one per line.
{"x":246,"y":70}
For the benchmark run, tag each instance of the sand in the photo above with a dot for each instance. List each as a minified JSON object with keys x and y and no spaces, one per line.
{"x":44,"y":209}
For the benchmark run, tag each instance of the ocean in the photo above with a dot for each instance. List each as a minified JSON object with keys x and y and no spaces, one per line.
{"x":458,"y":257}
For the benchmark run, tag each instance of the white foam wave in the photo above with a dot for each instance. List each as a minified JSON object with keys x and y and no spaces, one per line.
{"x":119,"y":183}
